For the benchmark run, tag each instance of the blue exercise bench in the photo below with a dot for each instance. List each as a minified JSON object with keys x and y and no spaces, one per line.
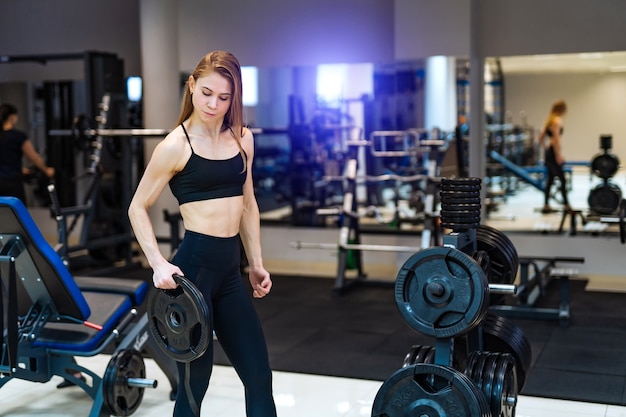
{"x":49,"y":318}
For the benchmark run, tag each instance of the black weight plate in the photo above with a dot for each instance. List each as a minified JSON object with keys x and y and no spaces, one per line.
{"x":489,"y":374}
{"x":427,"y":389}
{"x":502,"y":335}
{"x":441,"y":292}
{"x":419,"y":354}
{"x":605,"y":165}
{"x":453,"y":199}
{"x":494,"y":373}
{"x":460,"y":186}
{"x":409,"y":358}
{"x":504,"y":390}
{"x":482,"y":258}
{"x":501,"y":326}
{"x":463,"y":222}
{"x":462,"y":210}
{"x":472,"y":364}
{"x":461,"y":189}
{"x":121,"y":399}
{"x":502,"y":254}
{"x":179,"y":321}
{"x":461,"y":213}
{"x":477,"y":376}
{"x":425,"y":355}
{"x":605,"y":199}
{"x":622,"y":221}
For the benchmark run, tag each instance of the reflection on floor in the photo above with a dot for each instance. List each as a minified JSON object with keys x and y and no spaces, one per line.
{"x":296,"y":395}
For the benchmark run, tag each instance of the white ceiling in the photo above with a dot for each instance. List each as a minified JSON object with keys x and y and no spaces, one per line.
{"x":596,"y":62}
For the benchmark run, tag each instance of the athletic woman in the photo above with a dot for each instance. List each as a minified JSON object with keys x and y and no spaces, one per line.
{"x":207,"y":162}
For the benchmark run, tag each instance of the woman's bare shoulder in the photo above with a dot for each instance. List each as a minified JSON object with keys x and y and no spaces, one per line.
{"x":247,"y":140}
{"x":171,"y":149}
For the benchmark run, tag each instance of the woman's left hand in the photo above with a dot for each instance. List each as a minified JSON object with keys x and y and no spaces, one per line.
{"x":260,"y":280}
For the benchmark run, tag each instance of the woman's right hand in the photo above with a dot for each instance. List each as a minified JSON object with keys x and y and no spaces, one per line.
{"x":162,"y":276}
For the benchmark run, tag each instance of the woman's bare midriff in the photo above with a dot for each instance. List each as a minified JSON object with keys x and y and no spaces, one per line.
{"x":219,"y":217}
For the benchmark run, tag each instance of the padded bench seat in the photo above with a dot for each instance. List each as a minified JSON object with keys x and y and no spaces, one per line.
{"x":107,"y":310}
{"x":134,"y":288}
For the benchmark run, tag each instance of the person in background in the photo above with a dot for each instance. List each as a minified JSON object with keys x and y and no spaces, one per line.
{"x":553,"y":131}
{"x":207,"y":162}
{"x":14,"y":144}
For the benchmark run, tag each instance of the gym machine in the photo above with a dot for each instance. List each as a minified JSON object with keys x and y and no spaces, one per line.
{"x":535,"y":274}
{"x":384,"y":144}
{"x":105,"y":240}
{"x":107,"y":189}
{"x":51,"y":317}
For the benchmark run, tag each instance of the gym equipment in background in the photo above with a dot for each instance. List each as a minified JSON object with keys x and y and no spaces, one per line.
{"x":53,"y":317}
{"x":605,"y":197}
{"x":444,"y":292}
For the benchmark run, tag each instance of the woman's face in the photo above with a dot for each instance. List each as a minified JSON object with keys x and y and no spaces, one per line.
{"x":212,"y":96}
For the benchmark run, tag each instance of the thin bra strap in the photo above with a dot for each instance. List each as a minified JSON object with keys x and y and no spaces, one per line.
{"x":186,"y":134}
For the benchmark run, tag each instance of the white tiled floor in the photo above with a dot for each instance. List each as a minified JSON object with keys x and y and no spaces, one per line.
{"x":296,"y":395}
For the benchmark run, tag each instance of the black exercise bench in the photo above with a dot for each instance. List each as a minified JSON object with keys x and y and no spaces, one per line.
{"x":532,"y":286}
{"x":48,"y":318}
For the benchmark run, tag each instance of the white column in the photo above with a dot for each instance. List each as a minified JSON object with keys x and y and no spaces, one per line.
{"x":477,"y":158}
{"x":440,"y":93}
{"x":159,"y":62}
{"x":161,"y":86}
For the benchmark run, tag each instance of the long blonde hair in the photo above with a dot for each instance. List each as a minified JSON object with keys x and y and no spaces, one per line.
{"x":559,"y":108}
{"x":227,"y":65}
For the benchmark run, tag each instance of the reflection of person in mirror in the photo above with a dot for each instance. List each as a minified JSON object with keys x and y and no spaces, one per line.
{"x":550,"y":139}
{"x":207,"y":162}
{"x":14,"y":145}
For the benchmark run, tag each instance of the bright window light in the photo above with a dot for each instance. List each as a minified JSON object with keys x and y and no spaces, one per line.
{"x":249,"y":79}
{"x":331,"y":82}
{"x":133,"y":88}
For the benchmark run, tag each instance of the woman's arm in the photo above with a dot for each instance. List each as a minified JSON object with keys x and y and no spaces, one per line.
{"x":29,"y":150}
{"x":250,"y":227}
{"x":158,"y":172}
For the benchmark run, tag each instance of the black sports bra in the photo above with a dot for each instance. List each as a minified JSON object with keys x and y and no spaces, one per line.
{"x":207,"y":179}
{"x":549,"y":131}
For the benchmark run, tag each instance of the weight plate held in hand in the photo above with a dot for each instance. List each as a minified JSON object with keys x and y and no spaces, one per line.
{"x":179,"y":320}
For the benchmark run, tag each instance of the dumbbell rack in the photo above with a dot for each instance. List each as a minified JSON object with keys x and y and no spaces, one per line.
{"x":444,"y":292}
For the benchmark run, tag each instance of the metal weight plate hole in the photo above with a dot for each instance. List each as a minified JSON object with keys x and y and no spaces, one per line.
{"x":176,"y":320}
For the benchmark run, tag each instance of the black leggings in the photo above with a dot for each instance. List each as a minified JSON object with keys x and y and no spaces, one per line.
{"x":212,"y":263}
{"x":554,"y":171}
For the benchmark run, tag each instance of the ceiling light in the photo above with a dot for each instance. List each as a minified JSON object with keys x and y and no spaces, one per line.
{"x":544,"y":57}
{"x":591,"y":55}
